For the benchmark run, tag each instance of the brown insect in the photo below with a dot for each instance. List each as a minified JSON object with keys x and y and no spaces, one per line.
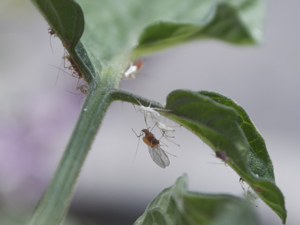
{"x":51,"y":32}
{"x":222,"y":156}
{"x":150,"y":139}
{"x":73,"y":67}
{"x":157,"y":154}
{"x":75,"y":73}
{"x":83,"y":88}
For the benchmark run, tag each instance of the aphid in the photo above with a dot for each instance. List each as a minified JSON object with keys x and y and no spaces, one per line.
{"x":132,"y":70}
{"x":73,"y":67}
{"x":51,"y":32}
{"x":165,"y":129}
{"x":83,"y":88}
{"x":222,"y":156}
{"x":157,"y":154}
{"x":75,"y":72}
{"x":148,"y":111}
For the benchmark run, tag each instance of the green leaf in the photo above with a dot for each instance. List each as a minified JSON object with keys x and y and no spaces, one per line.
{"x":66,"y":21}
{"x":117,"y":32}
{"x":113,"y":27}
{"x":65,"y":18}
{"x":177,"y":206}
{"x":218,"y":125}
{"x":258,"y":157}
{"x":225,"y":25}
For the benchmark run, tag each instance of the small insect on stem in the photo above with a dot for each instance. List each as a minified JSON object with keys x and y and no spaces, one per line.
{"x":73,"y":67}
{"x":75,"y":72}
{"x":157,"y":154}
{"x":133,"y":69}
{"x":147,"y":111}
{"x":83,"y":88}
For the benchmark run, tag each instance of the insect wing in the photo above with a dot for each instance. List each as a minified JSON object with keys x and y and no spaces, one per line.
{"x":159,"y":156}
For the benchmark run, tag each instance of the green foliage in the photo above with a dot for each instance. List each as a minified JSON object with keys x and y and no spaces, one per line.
{"x":65,"y":19}
{"x":175,"y":206}
{"x":258,"y":157}
{"x":218,"y":124}
{"x":116,"y":33}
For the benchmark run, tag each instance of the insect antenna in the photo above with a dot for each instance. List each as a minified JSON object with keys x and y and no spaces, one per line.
{"x":139,"y":136}
{"x":59,"y":69}
{"x":72,"y":92}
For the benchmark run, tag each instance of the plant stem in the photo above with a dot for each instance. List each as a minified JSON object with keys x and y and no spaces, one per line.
{"x":56,"y":198}
{"x":55,"y":201}
{"x":121,"y":95}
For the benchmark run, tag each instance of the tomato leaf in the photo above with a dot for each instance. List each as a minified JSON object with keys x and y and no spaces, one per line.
{"x":218,"y":125}
{"x":178,"y":206}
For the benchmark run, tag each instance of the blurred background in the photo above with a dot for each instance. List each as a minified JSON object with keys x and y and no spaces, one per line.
{"x":38,"y":112}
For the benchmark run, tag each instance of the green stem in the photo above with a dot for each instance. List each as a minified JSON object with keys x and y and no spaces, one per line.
{"x":121,"y":95}
{"x":56,"y":199}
